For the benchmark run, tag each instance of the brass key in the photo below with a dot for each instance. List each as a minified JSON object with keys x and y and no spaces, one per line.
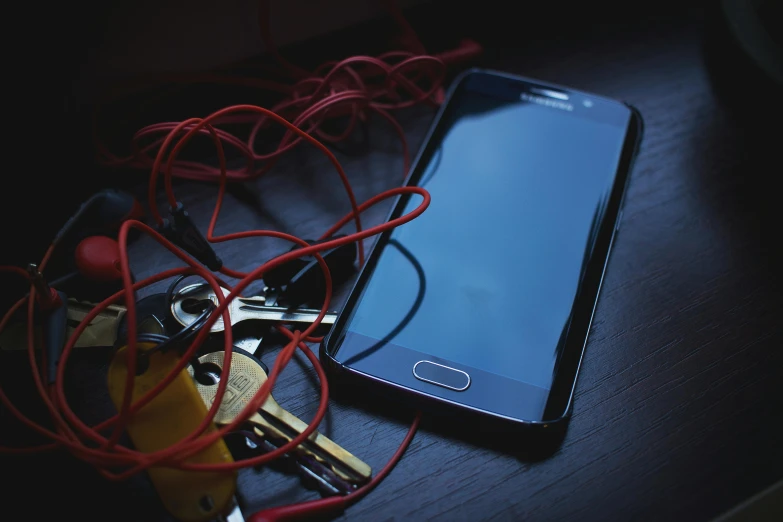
{"x":102,"y":331}
{"x":271,"y":421}
{"x":240,"y":309}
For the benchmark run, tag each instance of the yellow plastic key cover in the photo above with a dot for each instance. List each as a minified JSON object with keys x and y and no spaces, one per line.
{"x":190,"y":496}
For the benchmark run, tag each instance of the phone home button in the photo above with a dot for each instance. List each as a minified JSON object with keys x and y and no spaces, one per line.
{"x":441,"y":375}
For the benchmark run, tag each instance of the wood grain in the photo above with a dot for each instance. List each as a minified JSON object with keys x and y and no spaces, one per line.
{"x":679,"y":394}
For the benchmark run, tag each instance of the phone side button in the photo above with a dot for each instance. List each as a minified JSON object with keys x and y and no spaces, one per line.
{"x":441,"y":375}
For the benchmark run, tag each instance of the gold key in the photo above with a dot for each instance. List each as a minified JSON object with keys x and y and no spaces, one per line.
{"x":102,"y":331}
{"x":271,"y":421}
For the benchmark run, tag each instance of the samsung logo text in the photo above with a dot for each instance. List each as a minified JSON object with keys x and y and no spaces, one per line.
{"x":540,"y":100}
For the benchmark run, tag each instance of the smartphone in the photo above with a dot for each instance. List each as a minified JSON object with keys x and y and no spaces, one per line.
{"x":484,"y":302}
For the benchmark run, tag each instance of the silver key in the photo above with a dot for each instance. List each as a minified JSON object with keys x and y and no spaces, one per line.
{"x":312,"y":473}
{"x":234,"y":516}
{"x":185,"y":309}
{"x":250,"y":344}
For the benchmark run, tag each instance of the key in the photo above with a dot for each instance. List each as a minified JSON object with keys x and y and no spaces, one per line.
{"x":102,"y":331}
{"x":271,"y":295}
{"x":313,"y":475}
{"x":272,"y":422}
{"x":185,"y":309}
{"x":234,"y":516}
{"x":250,"y":344}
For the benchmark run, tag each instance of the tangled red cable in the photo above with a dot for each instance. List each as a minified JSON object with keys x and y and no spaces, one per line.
{"x":351,"y":89}
{"x":73,"y":434}
{"x":355,"y":87}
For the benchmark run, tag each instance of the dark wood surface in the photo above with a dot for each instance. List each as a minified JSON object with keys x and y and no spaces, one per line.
{"x":678,"y":401}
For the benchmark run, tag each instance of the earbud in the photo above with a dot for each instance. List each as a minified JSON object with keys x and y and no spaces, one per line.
{"x":98,"y":258}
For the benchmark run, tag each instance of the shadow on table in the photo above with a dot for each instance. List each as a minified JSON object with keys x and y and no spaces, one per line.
{"x":741,"y":149}
{"x":55,"y":484}
{"x":526,"y":444}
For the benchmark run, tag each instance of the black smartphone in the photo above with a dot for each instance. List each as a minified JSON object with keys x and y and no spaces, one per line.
{"x":485,"y":301}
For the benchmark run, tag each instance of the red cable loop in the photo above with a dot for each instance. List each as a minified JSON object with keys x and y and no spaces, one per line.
{"x":354,"y":88}
{"x":351,"y":83}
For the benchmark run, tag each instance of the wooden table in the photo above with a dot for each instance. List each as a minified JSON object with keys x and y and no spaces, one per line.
{"x":678,"y":401}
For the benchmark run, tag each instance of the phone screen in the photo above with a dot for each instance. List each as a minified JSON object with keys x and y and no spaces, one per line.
{"x":488,"y":275}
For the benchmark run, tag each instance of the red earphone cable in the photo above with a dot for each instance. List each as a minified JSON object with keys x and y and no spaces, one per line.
{"x":352,"y":89}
